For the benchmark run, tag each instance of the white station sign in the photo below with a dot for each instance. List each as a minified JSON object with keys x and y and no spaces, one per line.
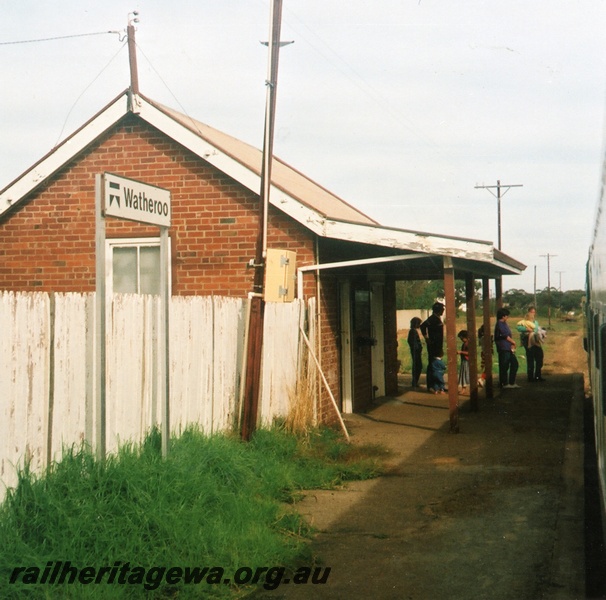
{"x":129,"y":199}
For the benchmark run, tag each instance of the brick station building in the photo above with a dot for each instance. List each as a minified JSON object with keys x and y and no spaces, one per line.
{"x":344,"y":258}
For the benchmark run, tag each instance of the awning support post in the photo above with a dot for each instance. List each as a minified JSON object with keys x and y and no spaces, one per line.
{"x":470,"y":301}
{"x":451,"y":344}
{"x":487,"y":340}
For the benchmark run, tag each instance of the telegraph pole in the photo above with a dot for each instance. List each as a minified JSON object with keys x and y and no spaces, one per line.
{"x":132,"y":53}
{"x":498,"y":280}
{"x":548,"y":256}
{"x":498,"y":196}
{"x":252,"y":373}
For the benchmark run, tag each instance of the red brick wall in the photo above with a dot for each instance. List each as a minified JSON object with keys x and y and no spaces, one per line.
{"x":329,"y":347}
{"x":48,"y":242}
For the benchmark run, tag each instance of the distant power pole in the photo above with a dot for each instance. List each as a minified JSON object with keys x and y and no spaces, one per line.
{"x":548,"y":256}
{"x":499,"y":280}
{"x":560,"y":274}
{"x":498,"y":196}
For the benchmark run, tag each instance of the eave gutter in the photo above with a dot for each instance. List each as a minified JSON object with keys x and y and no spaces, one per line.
{"x":409,"y":240}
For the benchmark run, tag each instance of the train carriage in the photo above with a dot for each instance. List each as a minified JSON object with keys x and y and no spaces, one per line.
{"x":595,"y":341}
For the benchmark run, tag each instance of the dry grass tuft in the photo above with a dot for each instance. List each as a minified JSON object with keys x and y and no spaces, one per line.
{"x":301,"y":416}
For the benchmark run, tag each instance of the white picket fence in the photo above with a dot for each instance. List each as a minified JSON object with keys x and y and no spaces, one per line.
{"x":47,"y":374}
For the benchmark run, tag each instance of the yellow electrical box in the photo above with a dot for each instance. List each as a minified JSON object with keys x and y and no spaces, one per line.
{"x":280,"y":275}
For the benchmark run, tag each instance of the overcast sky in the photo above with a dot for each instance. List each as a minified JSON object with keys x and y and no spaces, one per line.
{"x":401,"y":107}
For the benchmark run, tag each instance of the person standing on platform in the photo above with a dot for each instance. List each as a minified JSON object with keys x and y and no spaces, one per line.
{"x":506,"y":348}
{"x":531,"y":337}
{"x":416,"y":350}
{"x":433,"y":332}
{"x":464,"y":354}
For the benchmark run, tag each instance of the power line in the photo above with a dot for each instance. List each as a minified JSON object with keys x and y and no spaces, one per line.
{"x":357,"y":79}
{"x":60,"y":37}
{"x":85,"y":90}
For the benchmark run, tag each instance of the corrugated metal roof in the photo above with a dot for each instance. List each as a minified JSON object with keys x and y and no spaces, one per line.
{"x":283,"y":176}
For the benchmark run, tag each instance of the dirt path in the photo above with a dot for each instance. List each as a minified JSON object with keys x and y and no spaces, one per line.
{"x":492,"y":512}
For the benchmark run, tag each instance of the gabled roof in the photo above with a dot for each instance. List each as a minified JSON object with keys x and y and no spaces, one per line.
{"x":293,"y":193}
{"x":232,"y":156}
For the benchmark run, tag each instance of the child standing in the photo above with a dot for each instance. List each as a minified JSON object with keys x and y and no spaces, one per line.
{"x":416,"y":349}
{"x":464,"y":353}
{"x":437,"y":368}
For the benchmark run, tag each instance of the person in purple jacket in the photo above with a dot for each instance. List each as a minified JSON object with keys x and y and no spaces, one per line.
{"x":506,"y":347}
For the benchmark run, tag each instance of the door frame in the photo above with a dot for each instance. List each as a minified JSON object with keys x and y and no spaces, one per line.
{"x":377,"y":328}
{"x":346,"y":347}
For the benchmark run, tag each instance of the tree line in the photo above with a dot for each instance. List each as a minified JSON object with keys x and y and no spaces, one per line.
{"x":565,"y":302}
{"x":422,"y":294}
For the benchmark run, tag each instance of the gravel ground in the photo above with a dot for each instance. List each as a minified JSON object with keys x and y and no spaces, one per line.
{"x":493,"y":512}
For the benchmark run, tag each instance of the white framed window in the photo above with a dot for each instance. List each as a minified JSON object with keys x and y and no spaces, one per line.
{"x":133,"y":265}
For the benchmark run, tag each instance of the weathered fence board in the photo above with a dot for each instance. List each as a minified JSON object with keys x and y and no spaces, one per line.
{"x":24,"y":380}
{"x":130,"y":369}
{"x":228,"y":351}
{"x":71,"y":321}
{"x":281,"y":351}
{"x":191,"y":362}
{"x":47,"y":375}
{"x":206,"y":354}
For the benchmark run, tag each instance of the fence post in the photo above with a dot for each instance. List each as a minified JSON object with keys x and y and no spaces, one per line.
{"x":51,"y":380}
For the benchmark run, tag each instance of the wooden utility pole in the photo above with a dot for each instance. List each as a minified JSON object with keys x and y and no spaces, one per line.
{"x":548,"y":256}
{"x":498,"y":196}
{"x":132,"y":54}
{"x":252,"y":373}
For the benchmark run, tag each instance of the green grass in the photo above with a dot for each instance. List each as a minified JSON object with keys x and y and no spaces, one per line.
{"x":215,"y":502}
